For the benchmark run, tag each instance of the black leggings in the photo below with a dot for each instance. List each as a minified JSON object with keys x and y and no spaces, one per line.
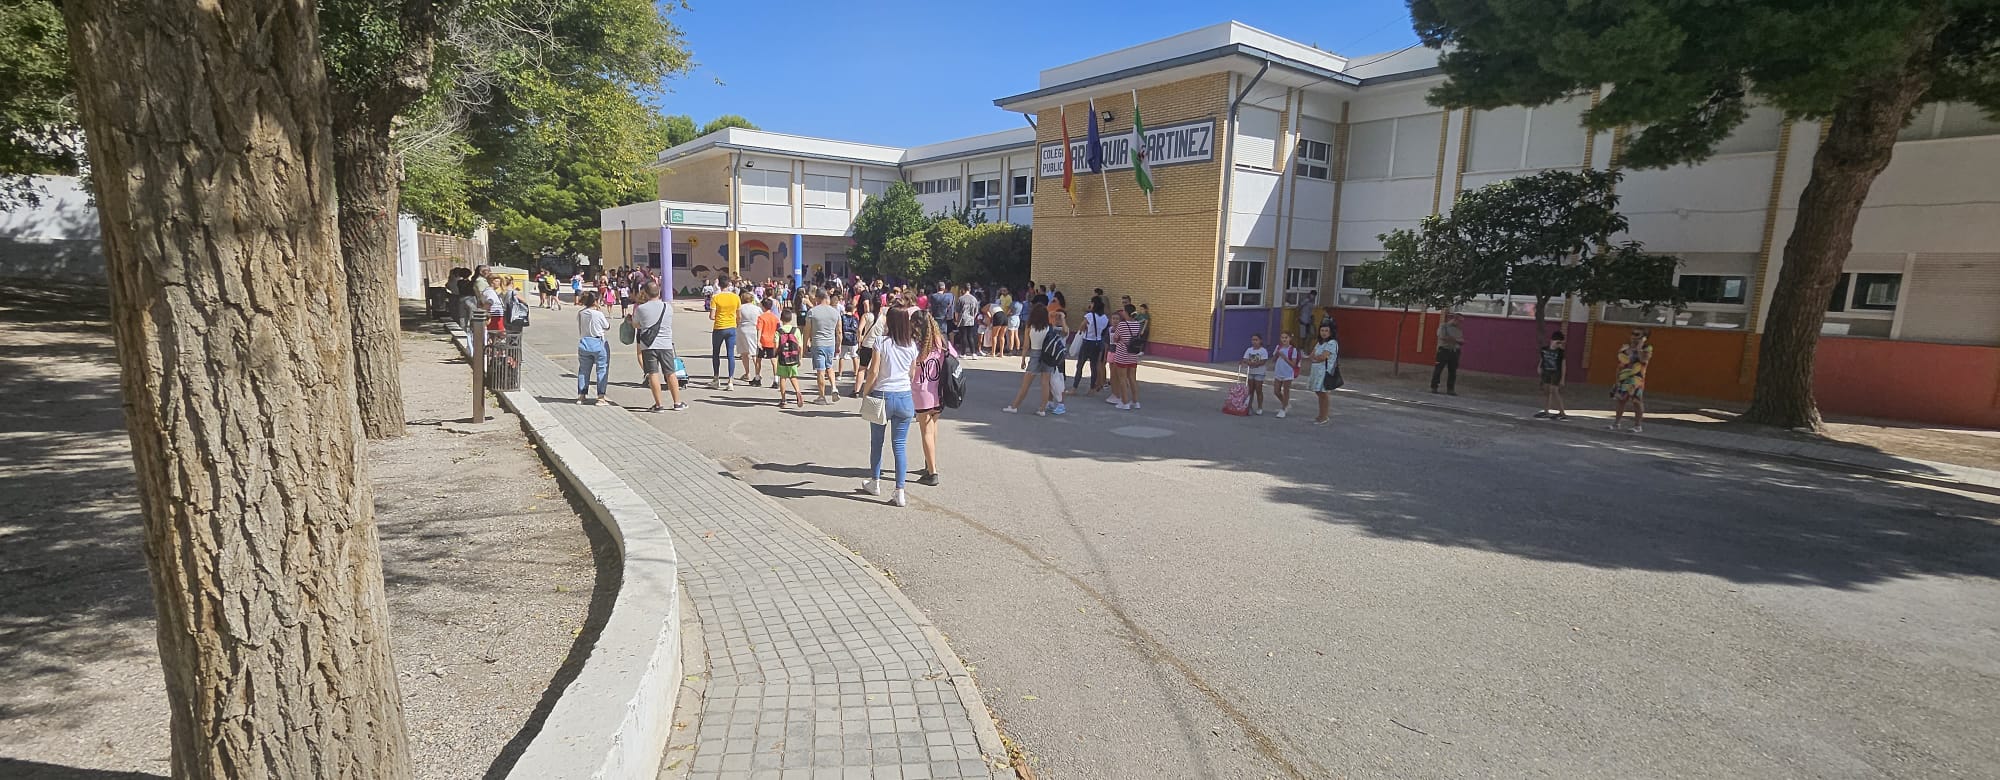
{"x":1088,"y":353}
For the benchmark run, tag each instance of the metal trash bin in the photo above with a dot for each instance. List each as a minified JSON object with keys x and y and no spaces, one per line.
{"x":503,"y":361}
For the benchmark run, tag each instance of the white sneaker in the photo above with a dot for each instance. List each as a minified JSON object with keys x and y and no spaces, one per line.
{"x":1123,"y":407}
{"x":1112,"y":399}
{"x":900,"y":500}
{"x":1258,"y":412}
{"x":1281,"y":414}
{"x":1135,"y":404}
{"x":872,"y":487}
{"x":1010,"y":409}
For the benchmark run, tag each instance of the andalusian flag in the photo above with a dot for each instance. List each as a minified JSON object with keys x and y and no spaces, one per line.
{"x":1069,"y":181}
{"x":1141,"y":167}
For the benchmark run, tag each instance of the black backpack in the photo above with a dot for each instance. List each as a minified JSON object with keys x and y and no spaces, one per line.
{"x":788,"y":347}
{"x":1053,"y":348}
{"x":1138,"y":340}
{"x":849,"y":324}
{"x":951,"y":381}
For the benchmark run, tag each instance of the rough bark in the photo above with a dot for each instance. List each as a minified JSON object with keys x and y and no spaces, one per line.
{"x":1860,"y":137}
{"x":365,"y":105}
{"x":366,"y":172}
{"x":207,"y":124}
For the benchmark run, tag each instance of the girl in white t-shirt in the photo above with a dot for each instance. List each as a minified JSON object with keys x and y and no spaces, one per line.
{"x":1254,"y":361}
{"x":1285,"y":362}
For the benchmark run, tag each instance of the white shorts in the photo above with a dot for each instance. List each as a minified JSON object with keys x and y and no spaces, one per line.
{"x":847,"y":350}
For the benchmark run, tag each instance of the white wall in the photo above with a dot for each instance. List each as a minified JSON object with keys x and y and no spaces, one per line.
{"x":60,"y":237}
{"x":1715,"y":207}
{"x":1312,"y":214}
{"x":1370,"y":208}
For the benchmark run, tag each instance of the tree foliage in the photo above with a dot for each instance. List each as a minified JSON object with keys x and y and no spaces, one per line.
{"x":1548,"y":236}
{"x":537,"y":124}
{"x":724,"y":122}
{"x":894,"y":213}
{"x":1683,"y":74}
{"x":38,"y":133}
{"x":994,"y":252}
{"x":907,"y":256}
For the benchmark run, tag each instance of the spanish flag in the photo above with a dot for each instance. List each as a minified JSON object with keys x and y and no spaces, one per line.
{"x":1069,"y":181}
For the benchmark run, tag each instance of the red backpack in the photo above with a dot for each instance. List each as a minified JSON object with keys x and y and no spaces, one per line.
{"x":788,"y":347}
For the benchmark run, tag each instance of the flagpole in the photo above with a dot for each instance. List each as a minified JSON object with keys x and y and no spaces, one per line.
{"x":1142,"y":145}
{"x":1103,"y":170}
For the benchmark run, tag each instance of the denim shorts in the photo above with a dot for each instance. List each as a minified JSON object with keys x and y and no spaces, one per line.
{"x":822,"y":358}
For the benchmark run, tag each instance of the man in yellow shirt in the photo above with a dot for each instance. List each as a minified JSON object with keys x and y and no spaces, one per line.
{"x":722,"y":312}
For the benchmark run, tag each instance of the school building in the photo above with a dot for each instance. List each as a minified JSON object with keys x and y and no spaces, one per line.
{"x":1277,"y":166}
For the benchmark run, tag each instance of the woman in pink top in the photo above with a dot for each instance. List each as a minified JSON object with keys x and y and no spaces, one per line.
{"x":1124,"y":359}
{"x":925,"y":377}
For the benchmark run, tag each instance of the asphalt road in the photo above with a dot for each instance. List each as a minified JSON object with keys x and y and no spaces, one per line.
{"x":1178,"y":593}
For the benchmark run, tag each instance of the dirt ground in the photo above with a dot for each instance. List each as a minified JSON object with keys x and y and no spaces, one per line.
{"x":488,"y":565}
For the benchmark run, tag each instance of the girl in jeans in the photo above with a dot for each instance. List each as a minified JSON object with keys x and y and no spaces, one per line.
{"x":889,"y":380}
{"x":591,"y":352}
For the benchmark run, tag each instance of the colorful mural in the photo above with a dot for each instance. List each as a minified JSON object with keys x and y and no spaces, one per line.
{"x":759,"y":259}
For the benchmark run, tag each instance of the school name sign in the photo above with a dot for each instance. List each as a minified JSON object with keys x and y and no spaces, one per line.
{"x":1187,"y":142}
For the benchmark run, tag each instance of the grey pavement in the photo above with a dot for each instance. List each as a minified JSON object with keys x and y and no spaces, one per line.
{"x":816,"y":670}
{"x":1174,"y":592}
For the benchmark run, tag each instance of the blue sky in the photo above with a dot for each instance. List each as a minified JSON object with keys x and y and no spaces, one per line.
{"x":901,"y":73}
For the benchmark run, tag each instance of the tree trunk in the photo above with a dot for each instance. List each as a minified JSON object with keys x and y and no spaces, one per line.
{"x":1860,"y":137}
{"x":366,"y":171}
{"x":207,"y":124}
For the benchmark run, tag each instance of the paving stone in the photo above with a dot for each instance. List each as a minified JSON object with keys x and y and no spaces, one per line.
{"x":798,"y":635}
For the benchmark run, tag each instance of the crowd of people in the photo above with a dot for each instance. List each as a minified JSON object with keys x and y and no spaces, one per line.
{"x":897,"y":349}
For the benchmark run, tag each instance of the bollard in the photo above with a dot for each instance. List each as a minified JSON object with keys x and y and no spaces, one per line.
{"x":478,"y":362}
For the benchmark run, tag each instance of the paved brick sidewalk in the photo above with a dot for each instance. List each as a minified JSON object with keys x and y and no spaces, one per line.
{"x":815,"y":669}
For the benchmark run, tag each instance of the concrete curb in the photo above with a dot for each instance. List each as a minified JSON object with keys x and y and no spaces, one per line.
{"x":1823,"y":456}
{"x":615,"y":718}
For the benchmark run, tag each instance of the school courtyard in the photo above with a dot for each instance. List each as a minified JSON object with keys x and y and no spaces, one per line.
{"x":1173,"y":592}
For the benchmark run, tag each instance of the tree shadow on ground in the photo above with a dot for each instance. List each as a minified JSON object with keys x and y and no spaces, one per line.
{"x":72,"y":554}
{"x":17,"y":769}
{"x":1614,"y":501}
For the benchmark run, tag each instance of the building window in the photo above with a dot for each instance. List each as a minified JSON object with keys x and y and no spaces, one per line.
{"x":985,"y":193}
{"x":1024,"y":189}
{"x":1351,"y":292}
{"x":681,"y":260}
{"x":1313,"y":159}
{"x":1516,"y":138}
{"x":1866,"y":292}
{"x":1700,"y":288}
{"x":1246,"y":277}
{"x":1400,"y":148}
{"x":1302,"y":274}
{"x":873,"y":188}
{"x":937,"y":186}
{"x":773,"y":188}
{"x":826,"y":192}
{"x":1949,"y":120}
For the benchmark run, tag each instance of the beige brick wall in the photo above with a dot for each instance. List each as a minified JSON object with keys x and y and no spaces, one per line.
{"x":705,"y":181}
{"x":1165,"y":259}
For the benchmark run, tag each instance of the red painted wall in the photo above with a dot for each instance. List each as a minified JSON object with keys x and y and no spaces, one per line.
{"x":1946,"y":384}
{"x":1492,"y":344}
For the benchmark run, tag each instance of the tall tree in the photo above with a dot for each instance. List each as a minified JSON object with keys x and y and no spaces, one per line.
{"x":37,"y":111}
{"x":210,"y":121}
{"x":378,"y":63}
{"x":1683,"y":72}
{"x":893,"y":214}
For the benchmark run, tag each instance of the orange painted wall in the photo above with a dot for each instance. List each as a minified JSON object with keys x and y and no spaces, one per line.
{"x":1686,"y":361}
{"x":1946,"y":384}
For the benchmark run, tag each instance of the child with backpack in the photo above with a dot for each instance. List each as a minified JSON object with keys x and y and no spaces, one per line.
{"x":791,"y":344}
{"x":850,"y":333}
